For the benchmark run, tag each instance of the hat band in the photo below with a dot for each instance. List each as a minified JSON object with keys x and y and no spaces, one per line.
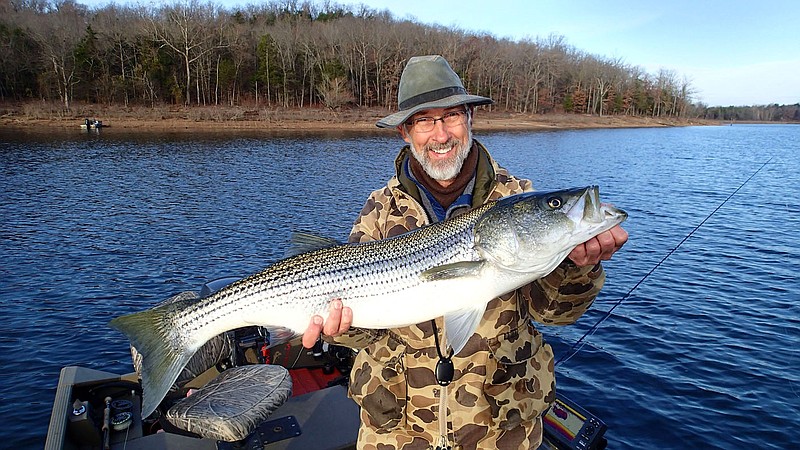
{"x":430,"y":96}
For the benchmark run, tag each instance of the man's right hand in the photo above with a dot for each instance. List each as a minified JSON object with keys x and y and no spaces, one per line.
{"x":339,"y":319}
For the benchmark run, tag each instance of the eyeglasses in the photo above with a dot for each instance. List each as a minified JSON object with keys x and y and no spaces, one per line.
{"x":449,"y":119}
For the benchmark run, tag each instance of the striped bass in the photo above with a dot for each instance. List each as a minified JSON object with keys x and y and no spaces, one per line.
{"x":451,"y":268}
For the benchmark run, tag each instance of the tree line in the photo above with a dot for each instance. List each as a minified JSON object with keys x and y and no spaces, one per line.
{"x":297,"y":54}
{"x":761,"y":113}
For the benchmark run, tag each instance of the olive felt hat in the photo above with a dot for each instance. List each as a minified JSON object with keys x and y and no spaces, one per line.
{"x":428,"y":82}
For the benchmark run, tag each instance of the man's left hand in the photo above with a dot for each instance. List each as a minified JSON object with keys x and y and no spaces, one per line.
{"x":599,"y":248}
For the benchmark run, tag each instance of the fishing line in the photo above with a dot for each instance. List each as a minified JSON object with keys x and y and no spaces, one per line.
{"x":296,"y":359}
{"x":578,"y":345}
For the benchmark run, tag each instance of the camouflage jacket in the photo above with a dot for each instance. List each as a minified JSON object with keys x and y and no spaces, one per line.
{"x":504,"y":377}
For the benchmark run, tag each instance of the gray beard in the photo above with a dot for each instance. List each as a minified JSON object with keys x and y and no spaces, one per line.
{"x":443,"y":170}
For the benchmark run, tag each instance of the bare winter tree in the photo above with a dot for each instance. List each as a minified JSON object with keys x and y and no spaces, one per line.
{"x":191,"y":30}
{"x":334,"y":92}
{"x":58,"y":38}
{"x":119,"y":28}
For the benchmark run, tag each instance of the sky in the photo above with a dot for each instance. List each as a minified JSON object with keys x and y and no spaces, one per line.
{"x":734,"y":52}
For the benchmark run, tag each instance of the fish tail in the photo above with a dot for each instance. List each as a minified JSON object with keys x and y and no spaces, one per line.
{"x":164,"y":352}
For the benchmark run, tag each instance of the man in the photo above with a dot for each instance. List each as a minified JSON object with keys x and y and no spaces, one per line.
{"x":503,"y":379}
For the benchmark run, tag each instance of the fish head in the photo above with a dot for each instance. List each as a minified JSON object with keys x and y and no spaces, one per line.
{"x":535,"y":231}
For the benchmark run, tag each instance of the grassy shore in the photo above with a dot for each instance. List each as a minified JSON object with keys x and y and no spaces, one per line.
{"x":47,"y":117}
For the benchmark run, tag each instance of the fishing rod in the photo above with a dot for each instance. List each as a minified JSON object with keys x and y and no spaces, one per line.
{"x":578,"y":345}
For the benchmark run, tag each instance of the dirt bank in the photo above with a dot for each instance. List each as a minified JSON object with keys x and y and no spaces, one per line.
{"x":176,"y":119}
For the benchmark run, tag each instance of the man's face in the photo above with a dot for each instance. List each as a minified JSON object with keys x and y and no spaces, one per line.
{"x":442,"y":150}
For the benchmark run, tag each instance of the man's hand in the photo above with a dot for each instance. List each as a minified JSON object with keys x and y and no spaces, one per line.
{"x":599,"y":248}
{"x":339,"y":319}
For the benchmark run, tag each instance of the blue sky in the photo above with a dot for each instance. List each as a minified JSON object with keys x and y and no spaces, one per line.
{"x":734,"y":52}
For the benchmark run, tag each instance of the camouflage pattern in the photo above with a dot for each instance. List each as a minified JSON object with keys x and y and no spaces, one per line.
{"x":504,"y":377}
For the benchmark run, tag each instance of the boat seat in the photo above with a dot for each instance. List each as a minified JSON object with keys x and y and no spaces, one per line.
{"x":234,"y":403}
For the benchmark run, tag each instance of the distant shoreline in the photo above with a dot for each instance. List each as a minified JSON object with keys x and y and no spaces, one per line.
{"x":213,"y":119}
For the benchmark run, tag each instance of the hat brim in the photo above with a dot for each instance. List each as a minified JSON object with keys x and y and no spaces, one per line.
{"x":393,"y":120}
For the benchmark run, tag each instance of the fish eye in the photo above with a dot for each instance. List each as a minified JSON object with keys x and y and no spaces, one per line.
{"x":554,"y":202}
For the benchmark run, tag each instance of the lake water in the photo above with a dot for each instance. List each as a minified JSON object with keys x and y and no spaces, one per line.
{"x":701,"y":354}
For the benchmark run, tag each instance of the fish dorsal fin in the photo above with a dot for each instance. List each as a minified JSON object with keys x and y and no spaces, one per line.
{"x":305,"y":242}
{"x":460,"y":325}
{"x":454,"y":270}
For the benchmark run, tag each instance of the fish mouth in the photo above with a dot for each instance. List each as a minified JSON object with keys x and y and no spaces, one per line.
{"x":589,"y":211}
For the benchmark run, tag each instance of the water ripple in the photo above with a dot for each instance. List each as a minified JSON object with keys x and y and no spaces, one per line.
{"x":94,"y":227}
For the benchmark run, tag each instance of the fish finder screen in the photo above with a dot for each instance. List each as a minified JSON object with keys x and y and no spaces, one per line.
{"x":565,"y":420}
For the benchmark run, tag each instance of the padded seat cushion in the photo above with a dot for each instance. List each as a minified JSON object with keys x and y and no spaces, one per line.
{"x":234,"y":404}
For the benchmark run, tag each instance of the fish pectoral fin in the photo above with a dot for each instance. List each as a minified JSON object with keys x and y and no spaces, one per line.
{"x":459,"y":269}
{"x":302,"y":242}
{"x":460,"y":325}
{"x":277,"y":335}
{"x":280,"y":335}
